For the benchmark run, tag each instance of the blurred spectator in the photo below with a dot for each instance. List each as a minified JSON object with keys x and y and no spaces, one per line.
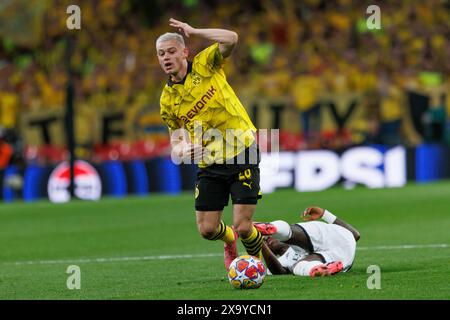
{"x":305,"y":90}
{"x":11,"y":154}
{"x":6,"y":151}
{"x":262,"y":51}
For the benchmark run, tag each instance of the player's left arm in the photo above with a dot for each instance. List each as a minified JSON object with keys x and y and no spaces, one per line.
{"x":227,"y":39}
{"x":272,"y":261}
{"x":314,"y":213}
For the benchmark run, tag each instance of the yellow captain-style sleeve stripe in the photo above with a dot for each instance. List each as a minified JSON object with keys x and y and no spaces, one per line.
{"x":208,"y":61}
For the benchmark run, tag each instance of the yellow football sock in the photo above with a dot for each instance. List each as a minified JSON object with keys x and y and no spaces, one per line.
{"x":253,"y":243}
{"x":224,"y":233}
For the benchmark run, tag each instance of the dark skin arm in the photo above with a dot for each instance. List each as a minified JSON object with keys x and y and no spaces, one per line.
{"x":314,"y":213}
{"x":347,"y":226}
{"x":272,"y":261}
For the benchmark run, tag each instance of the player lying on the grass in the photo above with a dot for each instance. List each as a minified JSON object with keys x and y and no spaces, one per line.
{"x":312,"y":248}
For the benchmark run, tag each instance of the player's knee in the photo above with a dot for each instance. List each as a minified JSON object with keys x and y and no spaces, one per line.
{"x":244,"y":229}
{"x":207,"y":231}
{"x":284,"y":231}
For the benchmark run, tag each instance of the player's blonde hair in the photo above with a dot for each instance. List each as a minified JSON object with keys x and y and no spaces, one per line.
{"x":171,"y":36}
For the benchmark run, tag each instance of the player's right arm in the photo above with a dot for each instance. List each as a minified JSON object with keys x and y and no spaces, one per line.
{"x":314,"y":213}
{"x":182,"y":147}
{"x":272,"y":262}
{"x":227,"y":39}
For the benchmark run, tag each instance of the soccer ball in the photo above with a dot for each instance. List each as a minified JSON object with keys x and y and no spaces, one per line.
{"x":247,"y":272}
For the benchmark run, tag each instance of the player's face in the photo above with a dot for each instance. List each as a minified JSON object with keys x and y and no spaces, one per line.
{"x":171,"y":55}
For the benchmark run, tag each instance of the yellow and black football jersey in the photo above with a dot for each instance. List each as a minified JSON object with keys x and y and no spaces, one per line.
{"x":204,"y":101}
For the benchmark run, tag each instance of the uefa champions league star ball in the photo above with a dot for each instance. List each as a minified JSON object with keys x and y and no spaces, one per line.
{"x":247,"y":272}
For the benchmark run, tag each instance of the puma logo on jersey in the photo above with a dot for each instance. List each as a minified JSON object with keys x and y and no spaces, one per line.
{"x":249,"y":185}
{"x":199,"y":105}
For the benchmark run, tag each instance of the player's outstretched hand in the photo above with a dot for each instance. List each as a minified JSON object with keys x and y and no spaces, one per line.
{"x":312,"y":213}
{"x":182,"y":27}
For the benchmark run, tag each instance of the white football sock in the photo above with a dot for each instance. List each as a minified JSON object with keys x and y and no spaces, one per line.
{"x":284,"y":231}
{"x":303,"y":268}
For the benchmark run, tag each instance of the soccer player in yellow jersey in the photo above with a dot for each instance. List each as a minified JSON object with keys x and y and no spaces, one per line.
{"x":209,"y":125}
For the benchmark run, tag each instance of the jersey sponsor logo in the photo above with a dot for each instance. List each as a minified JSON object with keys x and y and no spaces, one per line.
{"x":199,"y":105}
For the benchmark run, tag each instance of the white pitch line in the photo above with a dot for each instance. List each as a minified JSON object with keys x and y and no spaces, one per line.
{"x":113,"y":259}
{"x":406,"y":246}
{"x":193,"y":256}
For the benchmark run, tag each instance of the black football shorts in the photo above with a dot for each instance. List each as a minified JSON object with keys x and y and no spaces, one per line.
{"x":217,"y":182}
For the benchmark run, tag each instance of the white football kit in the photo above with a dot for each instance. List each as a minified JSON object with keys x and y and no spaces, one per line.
{"x":333,"y":242}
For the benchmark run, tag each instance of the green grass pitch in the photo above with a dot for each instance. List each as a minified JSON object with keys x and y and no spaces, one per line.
{"x":149,"y":248}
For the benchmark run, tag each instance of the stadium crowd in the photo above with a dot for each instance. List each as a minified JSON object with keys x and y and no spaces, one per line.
{"x":299,"y":52}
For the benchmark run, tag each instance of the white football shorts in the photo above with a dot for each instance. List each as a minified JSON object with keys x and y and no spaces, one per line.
{"x":333,"y":242}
